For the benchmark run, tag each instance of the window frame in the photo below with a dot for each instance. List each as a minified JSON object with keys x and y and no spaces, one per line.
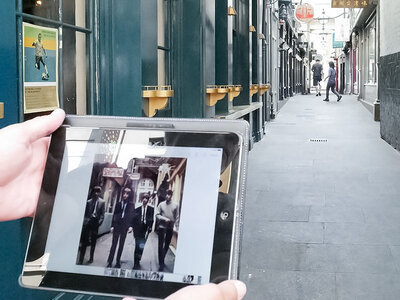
{"x":166,"y":48}
{"x":88,"y":30}
{"x":371,"y":77}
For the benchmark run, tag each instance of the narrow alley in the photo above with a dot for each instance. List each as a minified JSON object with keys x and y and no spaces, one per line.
{"x":311,"y":88}
{"x":322,"y":206}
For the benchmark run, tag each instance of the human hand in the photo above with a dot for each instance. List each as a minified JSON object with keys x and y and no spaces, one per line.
{"x":23,"y":154}
{"x":111,"y":229}
{"x":227,"y":290}
{"x":130,"y":229}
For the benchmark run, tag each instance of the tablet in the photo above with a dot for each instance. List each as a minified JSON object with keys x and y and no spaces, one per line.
{"x":139,"y":207}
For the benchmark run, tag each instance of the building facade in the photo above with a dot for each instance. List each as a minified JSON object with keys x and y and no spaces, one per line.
{"x":210,"y":59}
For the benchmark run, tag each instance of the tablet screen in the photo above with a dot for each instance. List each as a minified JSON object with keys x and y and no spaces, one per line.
{"x":98,"y":171}
{"x":139,"y":212}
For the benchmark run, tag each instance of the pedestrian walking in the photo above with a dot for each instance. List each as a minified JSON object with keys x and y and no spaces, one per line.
{"x":317,"y":75}
{"x":331,"y":82}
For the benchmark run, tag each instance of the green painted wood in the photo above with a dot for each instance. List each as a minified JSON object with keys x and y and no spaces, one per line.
{"x":120,"y":58}
{"x":149,"y":42}
{"x":8,"y":63}
{"x":221,"y":51}
{"x":254,"y":49}
{"x":208,"y":41}
{"x":192,"y":55}
{"x":103,"y":104}
{"x":241,"y":64}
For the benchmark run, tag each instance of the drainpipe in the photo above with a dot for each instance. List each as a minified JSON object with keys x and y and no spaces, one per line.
{"x":377,"y":109}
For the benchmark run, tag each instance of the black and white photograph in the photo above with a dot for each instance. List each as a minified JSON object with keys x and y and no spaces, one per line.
{"x":131,"y":219}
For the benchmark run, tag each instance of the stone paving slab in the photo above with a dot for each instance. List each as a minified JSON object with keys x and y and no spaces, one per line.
{"x":322,"y":218}
{"x":270,"y":284}
{"x":285,"y":256}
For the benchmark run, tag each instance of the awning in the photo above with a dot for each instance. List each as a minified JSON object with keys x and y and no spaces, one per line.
{"x":363,"y":17}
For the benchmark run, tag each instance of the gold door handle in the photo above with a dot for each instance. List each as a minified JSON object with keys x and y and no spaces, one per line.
{"x":1,"y":110}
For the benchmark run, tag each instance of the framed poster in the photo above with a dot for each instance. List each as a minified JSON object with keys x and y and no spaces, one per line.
{"x":40,"y":68}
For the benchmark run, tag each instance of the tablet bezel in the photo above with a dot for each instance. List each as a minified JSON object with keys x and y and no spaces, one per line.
{"x":104,"y":285}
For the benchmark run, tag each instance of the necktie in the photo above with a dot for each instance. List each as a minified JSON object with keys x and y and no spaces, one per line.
{"x":123,"y":210}
{"x":94,"y":215}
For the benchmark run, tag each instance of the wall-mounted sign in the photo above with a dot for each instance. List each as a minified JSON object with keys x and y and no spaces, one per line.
{"x":335,"y":43}
{"x":113,"y":172}
{"x":40,"y":68}
{"x":350,"y":3}
{"x":134,"y":176}
{"x":305,"y":12}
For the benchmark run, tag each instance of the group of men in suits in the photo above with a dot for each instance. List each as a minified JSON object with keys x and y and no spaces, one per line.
{"x":127,"y":219}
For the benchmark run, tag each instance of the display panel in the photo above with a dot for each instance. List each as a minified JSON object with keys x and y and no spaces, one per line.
{"x":135,"y":211}
{"x":125,"y":163}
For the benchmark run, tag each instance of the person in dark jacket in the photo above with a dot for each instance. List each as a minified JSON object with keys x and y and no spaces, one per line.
{"x":121,"y":225}
{"x":317,"y":75}
{"x":143,"y":222}
{"x":94,"y":216}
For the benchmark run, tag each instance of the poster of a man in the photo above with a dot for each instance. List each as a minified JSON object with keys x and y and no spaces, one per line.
{"x":39,"y":53}
{"x":40,"y":68}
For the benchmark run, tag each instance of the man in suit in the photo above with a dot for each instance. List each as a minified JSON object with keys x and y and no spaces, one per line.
{"x":121,"y":225}
{"x":94,"y":216}
{"x":143,"y":223}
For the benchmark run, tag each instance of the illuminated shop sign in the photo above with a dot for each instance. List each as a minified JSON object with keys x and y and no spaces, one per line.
{"x":350,"y":3}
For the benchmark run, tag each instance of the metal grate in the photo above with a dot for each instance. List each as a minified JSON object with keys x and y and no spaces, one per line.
{"x":318,"y":140}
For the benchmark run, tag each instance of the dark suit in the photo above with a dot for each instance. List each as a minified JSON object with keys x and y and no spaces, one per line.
{"x":122,"y":220}
{"x":94,"y":216}
{"x":143,"y":222}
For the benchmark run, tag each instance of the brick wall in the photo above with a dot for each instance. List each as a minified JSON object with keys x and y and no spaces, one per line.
{"x":389,"y":95}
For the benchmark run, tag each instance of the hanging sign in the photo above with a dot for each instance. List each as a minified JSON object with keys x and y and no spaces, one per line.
{"x":335,"y":43}
{"x":342,"y":29}
{"x":40,"y":68}
{"x":305,"y":13}
{"x":350,"y":3}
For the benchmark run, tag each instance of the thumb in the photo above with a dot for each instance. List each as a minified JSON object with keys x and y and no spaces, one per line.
{"x":232,"y":289}
{"x":42,"y":126}
{"x":227,"y":290}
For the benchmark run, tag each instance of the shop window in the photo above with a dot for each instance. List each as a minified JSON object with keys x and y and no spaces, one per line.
{"x":371,"y":52}
{"x":45,"y":9}
{"x":70,"y":18}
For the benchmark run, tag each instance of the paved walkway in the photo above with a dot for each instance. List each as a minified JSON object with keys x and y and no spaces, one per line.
{"x":149,"y":261}
{"x":322,"y":217}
